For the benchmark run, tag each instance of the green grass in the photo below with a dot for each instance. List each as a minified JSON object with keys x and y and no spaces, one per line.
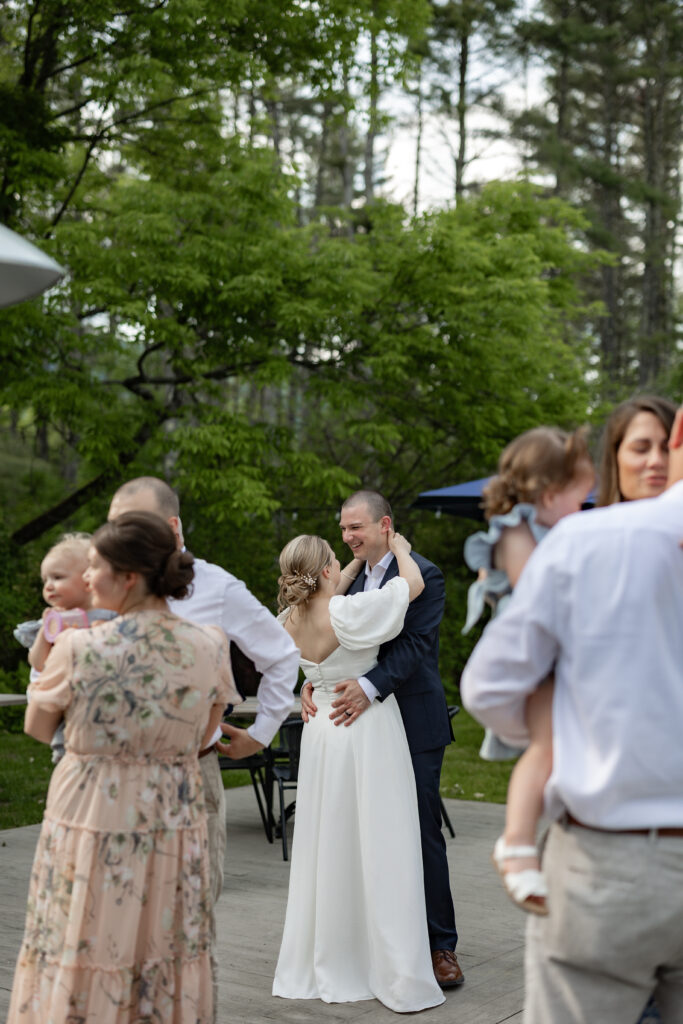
{"x":26,"y":766}
{"x":464,"y":775}
{"x":25,"y":770}
{"x":236,"y":777}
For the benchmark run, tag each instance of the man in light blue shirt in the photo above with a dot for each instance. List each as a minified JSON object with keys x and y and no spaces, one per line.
{"x":600,"y":603}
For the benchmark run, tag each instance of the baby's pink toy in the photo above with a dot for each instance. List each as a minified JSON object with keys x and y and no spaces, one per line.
{"x":55,"y":621}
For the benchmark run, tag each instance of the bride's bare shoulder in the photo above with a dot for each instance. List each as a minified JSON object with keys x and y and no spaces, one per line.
{"x":291,"y":621}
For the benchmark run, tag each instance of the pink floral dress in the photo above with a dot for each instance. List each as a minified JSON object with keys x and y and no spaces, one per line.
{"x":117,"y":927}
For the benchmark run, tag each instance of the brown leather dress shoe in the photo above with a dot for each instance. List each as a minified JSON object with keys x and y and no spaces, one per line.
{"x":447,"y":970}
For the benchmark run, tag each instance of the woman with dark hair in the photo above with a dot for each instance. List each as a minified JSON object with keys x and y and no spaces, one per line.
{"x":634,"y":464}
{"x":118,"y":920}
{"x":635,"y":449}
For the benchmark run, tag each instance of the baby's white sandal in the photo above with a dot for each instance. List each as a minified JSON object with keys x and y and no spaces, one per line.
{"x":527,"y":888}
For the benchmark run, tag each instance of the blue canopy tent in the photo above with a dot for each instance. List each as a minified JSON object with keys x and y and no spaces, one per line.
{"x":459,"y":500}
{"x":464,"y":499}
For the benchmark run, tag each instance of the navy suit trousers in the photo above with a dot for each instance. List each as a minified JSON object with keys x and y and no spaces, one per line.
{"x":440,"y":915}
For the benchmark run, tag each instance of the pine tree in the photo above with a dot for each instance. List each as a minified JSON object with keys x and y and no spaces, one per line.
{"x":610,"y":133}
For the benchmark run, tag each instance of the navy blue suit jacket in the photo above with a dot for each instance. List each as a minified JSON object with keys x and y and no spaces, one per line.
{"x":409,"y":665}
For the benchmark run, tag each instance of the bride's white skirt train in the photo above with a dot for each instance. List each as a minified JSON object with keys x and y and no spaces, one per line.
{"x":356,"y":925}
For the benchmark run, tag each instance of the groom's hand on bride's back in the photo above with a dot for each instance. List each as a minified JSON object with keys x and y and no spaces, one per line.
{"x":350,"y":703}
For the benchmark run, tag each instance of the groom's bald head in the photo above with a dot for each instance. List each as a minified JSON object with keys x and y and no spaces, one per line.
{"x":376,"y":503}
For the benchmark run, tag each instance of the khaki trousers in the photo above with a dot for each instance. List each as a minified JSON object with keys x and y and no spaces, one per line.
{"x":214,"y":798}
{"x":614,"y":933}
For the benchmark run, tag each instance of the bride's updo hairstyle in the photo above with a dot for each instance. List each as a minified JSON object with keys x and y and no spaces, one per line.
{"x":143,"y":542}
{"x":301,"y":562}
{"x":539,"y":460}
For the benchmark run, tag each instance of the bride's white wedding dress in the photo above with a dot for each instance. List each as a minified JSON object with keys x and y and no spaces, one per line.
{"x":356,"y":925}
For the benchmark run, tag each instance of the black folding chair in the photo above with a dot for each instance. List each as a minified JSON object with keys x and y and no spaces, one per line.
{"x":258,"y":766}
{"x":247,"y":680}
{"x":452,"y":712}
{"x":285,"y":769}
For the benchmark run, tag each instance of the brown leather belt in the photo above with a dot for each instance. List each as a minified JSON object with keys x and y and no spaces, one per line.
{"x":571,"y":820}
{"x":207,"y":750}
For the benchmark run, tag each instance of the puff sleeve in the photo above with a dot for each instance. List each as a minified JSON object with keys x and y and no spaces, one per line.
{"x":372,"y":617}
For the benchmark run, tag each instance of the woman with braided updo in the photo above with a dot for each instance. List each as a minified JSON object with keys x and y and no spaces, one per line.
{"x":543,"y":475}
{"x":301,"y":564}
{"x":356,"y":924}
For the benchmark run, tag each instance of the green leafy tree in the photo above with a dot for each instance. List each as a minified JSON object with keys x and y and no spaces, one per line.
{"x":263,"y":362}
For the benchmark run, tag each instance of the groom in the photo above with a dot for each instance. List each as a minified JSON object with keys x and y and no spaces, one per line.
{"x":408,"y":666}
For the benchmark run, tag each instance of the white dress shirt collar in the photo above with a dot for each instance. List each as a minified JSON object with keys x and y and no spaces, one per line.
{"x":374,"y":576}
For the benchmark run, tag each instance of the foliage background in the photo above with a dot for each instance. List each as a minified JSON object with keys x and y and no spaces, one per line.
{"x":249,"y":313}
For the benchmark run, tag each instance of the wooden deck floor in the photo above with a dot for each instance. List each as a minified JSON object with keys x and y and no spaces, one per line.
{"x":251,"y":914}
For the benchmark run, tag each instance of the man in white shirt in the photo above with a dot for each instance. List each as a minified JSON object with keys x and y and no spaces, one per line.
{"x":600,"y":602}
{"x":220,"y":599}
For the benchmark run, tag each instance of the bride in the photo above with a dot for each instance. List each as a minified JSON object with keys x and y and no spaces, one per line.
{"x":356,"y":925}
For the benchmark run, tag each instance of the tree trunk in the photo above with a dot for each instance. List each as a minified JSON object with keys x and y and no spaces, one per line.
{"x":345,"y":155}
{"x":562,"y":124}
{"x":661,"y":146}
{"x":322,"y":155}
{"x":418,"y":144}
{"x":463,"y":61}
{"x":275,"y":134}
{"x":371,"y":134}
{"x":609,"y":196}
